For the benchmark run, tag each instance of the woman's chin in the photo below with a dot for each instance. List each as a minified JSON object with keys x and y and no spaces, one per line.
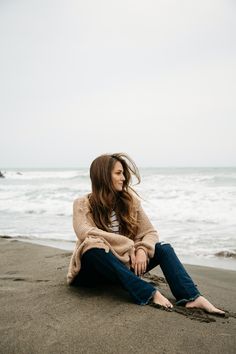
{"x":119,"y":189}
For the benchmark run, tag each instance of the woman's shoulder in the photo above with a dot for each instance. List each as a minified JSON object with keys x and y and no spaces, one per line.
{"x":136,"y":201}
{"x":82,"y":202}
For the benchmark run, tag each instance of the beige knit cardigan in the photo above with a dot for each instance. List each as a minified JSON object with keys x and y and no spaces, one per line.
{"x":89,"y":236}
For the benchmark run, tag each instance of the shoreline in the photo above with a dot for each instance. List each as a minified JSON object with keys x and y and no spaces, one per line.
{"x":41,"y":314}
{"x":225,"y":263}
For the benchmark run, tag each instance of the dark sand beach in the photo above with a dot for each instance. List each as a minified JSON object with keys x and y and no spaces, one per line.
{"x":39,"y":313}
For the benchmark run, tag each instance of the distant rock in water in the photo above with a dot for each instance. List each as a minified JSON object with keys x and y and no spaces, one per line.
{"x":1,"y":175}
{"x":226,"y":254}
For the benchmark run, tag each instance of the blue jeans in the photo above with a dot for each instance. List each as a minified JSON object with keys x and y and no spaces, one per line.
{"x":99,"y":267}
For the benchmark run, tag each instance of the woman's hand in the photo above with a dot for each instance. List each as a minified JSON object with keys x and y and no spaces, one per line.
{"x":140,"y":263}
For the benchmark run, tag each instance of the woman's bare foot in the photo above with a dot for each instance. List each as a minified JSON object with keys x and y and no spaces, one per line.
{"x":202,"y":303}
{"x":161,"y":300}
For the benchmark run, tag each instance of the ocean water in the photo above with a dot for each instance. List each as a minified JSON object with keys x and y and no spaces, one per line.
{"x":193,"y":208}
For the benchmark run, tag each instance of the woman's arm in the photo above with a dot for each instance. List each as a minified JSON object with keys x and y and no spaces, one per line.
{"x":147,"y":236}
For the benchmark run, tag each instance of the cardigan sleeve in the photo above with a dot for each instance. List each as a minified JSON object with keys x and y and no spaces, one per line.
{"x":84,"y":227}
{"x":147,"y":236}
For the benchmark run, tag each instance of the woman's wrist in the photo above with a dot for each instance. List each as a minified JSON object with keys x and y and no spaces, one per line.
{"x":143,"y":249}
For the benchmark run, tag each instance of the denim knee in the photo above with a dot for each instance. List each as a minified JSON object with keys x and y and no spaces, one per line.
{"x":93,"y":252}
{"x":163,"y":247}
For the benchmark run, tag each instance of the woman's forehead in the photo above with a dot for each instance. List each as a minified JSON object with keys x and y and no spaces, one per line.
{"x":118,"y":166}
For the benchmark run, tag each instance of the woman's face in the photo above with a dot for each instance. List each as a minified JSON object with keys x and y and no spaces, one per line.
{"x":117,"y":176}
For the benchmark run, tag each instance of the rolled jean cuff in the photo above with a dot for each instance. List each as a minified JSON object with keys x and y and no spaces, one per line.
{"x":149,"y":298}
{"x":184,"y":301}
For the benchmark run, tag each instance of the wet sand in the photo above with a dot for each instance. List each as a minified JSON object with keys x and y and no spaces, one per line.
{"x":39,"y":313}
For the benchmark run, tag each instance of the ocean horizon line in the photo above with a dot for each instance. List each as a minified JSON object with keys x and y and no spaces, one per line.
{"x":87,"y":167}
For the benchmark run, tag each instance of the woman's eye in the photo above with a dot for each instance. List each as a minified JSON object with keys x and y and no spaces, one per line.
{"x":119,"y":173}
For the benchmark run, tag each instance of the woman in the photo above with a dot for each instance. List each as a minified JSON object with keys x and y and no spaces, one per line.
{"x":117,"y":243}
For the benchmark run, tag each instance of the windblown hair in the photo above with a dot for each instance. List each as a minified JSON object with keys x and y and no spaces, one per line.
{"x":104,"y":198}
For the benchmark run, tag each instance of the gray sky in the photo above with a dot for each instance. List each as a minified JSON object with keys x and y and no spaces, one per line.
{"x":153,"y":78}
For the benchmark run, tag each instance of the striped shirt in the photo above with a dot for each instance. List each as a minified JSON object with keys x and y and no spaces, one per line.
{"x":114,"y":223}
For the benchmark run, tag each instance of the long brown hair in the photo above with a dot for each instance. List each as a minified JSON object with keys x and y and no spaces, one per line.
{"x":104,"y":198}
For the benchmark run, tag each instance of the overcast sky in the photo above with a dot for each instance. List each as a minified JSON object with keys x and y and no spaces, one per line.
{"x":153,"y":78}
